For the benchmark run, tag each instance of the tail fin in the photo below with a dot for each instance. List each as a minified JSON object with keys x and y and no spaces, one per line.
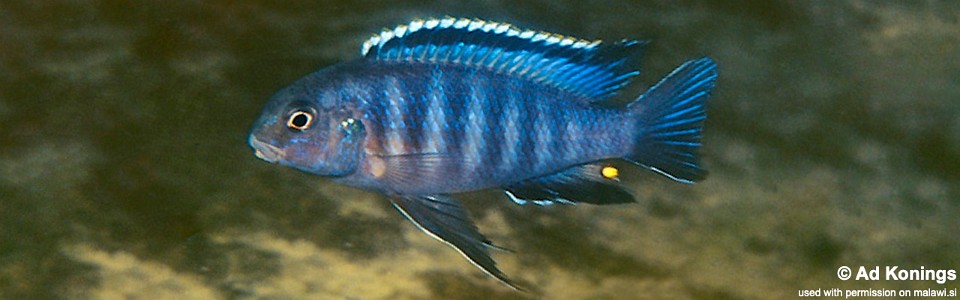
{"x":670,"y":119}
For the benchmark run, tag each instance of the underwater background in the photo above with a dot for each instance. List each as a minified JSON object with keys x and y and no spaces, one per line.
{"x":833,"y":139}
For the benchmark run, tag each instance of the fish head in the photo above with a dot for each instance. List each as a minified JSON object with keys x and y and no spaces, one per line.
{"x":308,"y":132}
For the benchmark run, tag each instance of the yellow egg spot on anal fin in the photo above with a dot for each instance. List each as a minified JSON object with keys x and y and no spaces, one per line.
{"x":609,"y":172}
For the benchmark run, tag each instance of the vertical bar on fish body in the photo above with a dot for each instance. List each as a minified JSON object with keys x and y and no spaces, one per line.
{"x":474,"y":140}
{"x":391,"y":117}
{"x":436,"y":118}
{"x":529,"y":118}
{"x":494,"y":129}
{"x":544,"y":134}
{"x":510,"y":123}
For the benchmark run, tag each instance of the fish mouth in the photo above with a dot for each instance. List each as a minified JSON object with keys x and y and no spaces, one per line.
{"x":265,"y":151}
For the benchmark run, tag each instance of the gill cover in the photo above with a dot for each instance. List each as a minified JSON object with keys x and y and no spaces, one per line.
{"x":342,"y":148}
{"x":353,"y":135}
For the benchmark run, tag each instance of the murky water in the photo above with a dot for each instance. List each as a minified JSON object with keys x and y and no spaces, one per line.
{"x":833,"y":140}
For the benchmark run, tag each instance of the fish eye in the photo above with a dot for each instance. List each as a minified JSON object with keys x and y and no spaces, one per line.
{"x":300,"y":120}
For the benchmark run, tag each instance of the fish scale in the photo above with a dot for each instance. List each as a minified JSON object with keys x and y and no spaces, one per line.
{"x":442,"y":106}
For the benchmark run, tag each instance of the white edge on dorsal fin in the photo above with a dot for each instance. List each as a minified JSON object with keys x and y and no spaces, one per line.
{"x":378,"y":40}
{"x":415,"y":25}
{"x":474,"y":25}
{"x":501,"y":28}
{"x":430,"y":24}
{"x":400,"y":31}
{"x":488,"y":27}
{"x":447,"y":22}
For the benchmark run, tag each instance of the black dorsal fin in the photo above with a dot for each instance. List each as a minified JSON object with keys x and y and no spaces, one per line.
{"x":594,"y":69}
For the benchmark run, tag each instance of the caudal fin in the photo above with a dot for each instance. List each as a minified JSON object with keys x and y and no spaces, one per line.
{"x":670,"y":119}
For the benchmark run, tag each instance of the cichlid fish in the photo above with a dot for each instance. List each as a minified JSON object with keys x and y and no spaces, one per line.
{"x":443,"y":106}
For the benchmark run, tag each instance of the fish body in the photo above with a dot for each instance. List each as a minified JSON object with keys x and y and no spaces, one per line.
{"x":457,"y":129}
{"x":443,"y":106}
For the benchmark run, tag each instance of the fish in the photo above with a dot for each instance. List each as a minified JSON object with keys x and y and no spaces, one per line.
{"x":442,"y":106}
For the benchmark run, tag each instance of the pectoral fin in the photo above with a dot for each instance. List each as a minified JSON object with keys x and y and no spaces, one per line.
{"x":443,"y":218}
{"x":408,"y":169}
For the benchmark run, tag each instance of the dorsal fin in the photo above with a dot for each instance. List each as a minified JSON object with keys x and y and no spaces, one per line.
{"x":590,"y":68}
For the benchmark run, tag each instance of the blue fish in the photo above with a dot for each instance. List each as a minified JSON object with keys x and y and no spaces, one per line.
{"x":442,"y":106}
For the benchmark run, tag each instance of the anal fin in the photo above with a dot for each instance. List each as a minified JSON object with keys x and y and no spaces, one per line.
{"x":443,"y":218}
{"x":589,"y":183}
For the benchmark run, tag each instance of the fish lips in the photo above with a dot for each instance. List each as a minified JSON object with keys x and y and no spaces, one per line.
{"x":264,"y":150}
